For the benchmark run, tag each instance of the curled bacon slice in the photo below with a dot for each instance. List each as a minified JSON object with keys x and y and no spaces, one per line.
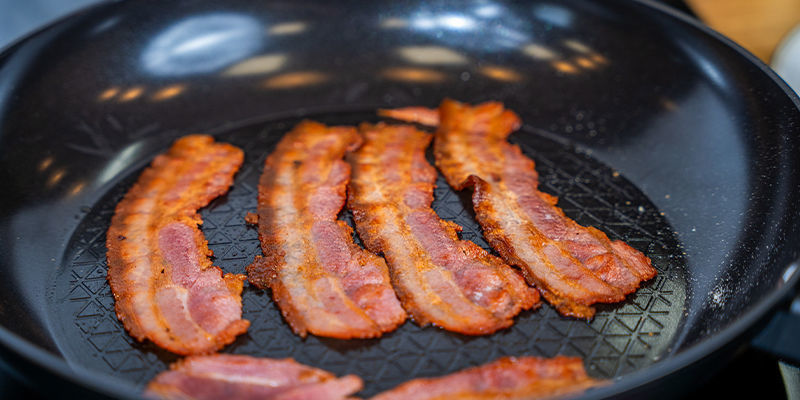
{"x":506,"y":378}
{"x":166,"y":289}
{"x":322,"y":281}
{"x":440,"y":279}
{"x":236,"y":377}
{"x":572,"y":266}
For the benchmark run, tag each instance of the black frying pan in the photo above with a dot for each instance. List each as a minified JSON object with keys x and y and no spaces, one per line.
{"x":643,"y":122}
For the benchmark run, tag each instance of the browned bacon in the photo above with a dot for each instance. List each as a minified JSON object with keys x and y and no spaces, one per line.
{"x":440,"y":279}
{"x":420,"y":115}
{"x":166,"y":289}
{"x":506,"y":378}
{"x":322,"y":281}
{"x":235,"y":377}
{"x":573,"y":266}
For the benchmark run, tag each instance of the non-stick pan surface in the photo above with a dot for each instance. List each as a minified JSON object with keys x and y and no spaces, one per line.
{"x":644,"y":125}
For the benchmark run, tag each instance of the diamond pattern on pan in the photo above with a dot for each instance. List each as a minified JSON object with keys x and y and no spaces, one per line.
{"x":622,"y":337}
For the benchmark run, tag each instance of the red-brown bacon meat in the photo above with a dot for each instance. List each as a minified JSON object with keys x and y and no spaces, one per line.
{"x":166,"y":289}
{"x":322,"y":281}
{"x":506,"y":378}
{"x":235,"y":377}
{"x":572,"y":266}
{"x":440,"y":279}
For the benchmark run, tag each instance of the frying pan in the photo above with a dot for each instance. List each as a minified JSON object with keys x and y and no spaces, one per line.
{"x":645,"y":123}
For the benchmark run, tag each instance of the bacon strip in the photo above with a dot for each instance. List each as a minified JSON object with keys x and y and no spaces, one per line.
{"x":420,"y":115}
{"x":440,"y":279}
{"x":322,"y":281}
{"x":166,"y":289}
{"x":506,"y":378}
{"x":572,"y":266}
{"x":236,"y":377}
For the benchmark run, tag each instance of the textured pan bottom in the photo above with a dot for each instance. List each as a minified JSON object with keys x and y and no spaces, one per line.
{"x":622,"y":337}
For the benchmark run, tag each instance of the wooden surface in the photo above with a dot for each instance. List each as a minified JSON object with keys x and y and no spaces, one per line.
{"x":757,"y":25}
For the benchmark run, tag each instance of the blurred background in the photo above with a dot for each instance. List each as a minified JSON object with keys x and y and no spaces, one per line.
{"x":770,"y":29}
{"x":757,"y":25}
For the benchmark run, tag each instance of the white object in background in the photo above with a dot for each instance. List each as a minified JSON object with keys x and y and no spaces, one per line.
{"x":786,"y":59}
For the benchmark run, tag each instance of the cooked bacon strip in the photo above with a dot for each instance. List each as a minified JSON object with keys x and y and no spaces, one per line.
{"x":440,"y":279}
{"x":322,"y":281}
{"x":573,"y":266}
{"x":235,"y":377}
{"x":166,"y":289}
{"x":420,"y":115}
{"x":506,"y":378}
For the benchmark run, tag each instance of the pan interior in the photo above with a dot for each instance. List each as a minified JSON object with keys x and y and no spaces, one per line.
{"x":622,"y":338}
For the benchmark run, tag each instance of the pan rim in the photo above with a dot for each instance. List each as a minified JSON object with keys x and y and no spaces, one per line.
{"x":112,"y":386}
{"x":9,"y":47}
